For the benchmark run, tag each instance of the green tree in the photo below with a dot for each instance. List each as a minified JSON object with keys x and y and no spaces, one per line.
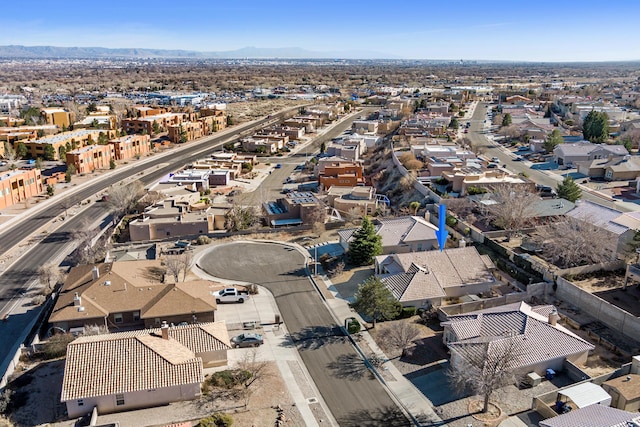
{"x":375,"y":300}
{"x":569,"y":190}
{"x":92,"y":108}
{"x":230,"y":120}
{"x":50,"y":190}
{"x":155,"y":127}
{"x":595,"y":127}
{"x":323,"y":147}
{"x":626,"y":142}
{"x":49,"y":152}
{"x":365,"y":245}
{"x":214,"y":126}
{"x":68,"y":147}
{"x":183,"y":135}
{"x":414,"y":206}
{"x":103,"y":139}
{"x":62,"y":152}
{"x":552,"y":140}
{"x":454,"y":124}
{"x":95,"y":123}
{"x":112,"y":164}
{"x":39,"y":163}
{"x":21,"y":150}
{"x":506,"y":120}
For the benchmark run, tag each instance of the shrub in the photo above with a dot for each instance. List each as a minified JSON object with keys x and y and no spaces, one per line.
{"x":353,"y":327}
{"x":407,"y":312}
{"x":203,"y":240}
{"x":451,"y":221}
{"x":218,"y":419}
{"x":57,"y":346}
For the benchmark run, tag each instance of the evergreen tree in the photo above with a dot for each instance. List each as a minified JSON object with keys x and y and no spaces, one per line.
{"x":375,"y":300}
{"x":595,"y":127}
{"x":49,"y":152}
{"x":365,"y":245}
{"x":453,"y":124}
{"x":553,"y":139}
{"x":569,"y":190}
{"x":506,"y":120}
{"x":21,"y":150}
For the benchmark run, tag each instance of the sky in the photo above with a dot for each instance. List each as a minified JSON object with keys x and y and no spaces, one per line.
{"x":541,"y":30}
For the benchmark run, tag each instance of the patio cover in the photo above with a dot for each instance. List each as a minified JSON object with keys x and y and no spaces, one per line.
{"x":586,"y":394}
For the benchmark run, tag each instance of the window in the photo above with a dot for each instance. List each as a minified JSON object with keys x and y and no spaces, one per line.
{"x":80,"y":402}
{"x":117,"y":317}
{"x":136,"y":316}
{"x":119,"y":399}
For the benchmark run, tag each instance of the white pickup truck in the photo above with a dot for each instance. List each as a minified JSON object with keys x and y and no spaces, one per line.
{"x":231,"y":295}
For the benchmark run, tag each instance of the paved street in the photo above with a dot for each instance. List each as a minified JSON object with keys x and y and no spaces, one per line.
{"x":353,"y":400}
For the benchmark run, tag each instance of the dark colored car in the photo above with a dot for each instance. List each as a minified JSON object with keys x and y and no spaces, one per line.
{"x":247,"y":340}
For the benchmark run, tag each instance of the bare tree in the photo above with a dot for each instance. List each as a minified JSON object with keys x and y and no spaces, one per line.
{"x":186,"y":259}
{"x":49,"y":274}
{"x":462,"y":207}
{"x":401,"y":334}
{"x":485,"y":367}
{"x":317,"y":218}
{"x":240,"y":218}
{"x":122,"y":198}
{"x":173,"y":263}
{"x":9,"y":153}
{"x":255,"y":371}
{"x":475,"y":146}
{"x":86,"y":252}
{"x":571,"y":242}
{"x":513,"y":208}
{"x":511,"y":132}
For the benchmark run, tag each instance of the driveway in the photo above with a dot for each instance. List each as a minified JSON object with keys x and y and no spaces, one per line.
{"x":354,"y":400}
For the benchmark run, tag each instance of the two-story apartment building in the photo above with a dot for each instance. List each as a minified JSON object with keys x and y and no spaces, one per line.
{"x":92,"y":157}
{"x":60,"y":117}
{"x":130,"y":146}
{"x":18,"y":185}
{"x":67,"y":140}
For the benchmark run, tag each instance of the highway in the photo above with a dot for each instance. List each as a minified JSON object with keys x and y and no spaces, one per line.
{"x":493,"y":149}
{"x":354,"y":397}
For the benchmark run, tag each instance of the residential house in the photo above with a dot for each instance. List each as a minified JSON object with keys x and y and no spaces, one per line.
{"x":92,"y":157}
{"x":399,"y":235}
{"x":462,"y":179}
{"x":624,"y":168}
{"x":262,"y":145}
{"x":185,"y":131}
{"x":349,"y":200}
{"x":130,"y":295}
{"x":622,"y":226}
{"x":423,"y":279}
{"x":130,"y":146}
{"x":532,"y":336}
{"x":570,"y":154}
{"x":336,"y":171}
{"x":624,"y":392}
{"x":140,"y":369}
{"x":18,"y":185}
{"x":594,"y":416}
{"x":296,"y":208}
{"x":365,"y":126}
{"x":197,"y":177}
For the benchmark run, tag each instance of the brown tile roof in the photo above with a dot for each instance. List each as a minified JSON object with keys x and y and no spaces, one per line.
{"x":398,"y":231}
{"x":139,"y":360}
{"x":424,"y":275}
{"x":134,"y":287}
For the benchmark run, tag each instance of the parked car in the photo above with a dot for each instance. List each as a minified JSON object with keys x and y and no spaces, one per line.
{"x":518,"y":159}
{"x":492,"y":165}
{"x":546,"y":191}
{"x":247,"y":340}
{"x":278,"y":166}
{"x":495,"y":160}
{"x":231,"y":295}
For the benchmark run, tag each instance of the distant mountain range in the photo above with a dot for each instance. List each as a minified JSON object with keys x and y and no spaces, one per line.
{"x":18,"y":51}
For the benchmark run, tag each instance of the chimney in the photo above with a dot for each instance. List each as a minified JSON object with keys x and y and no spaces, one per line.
{"x":165,"y":330}
{"x":553,"y":317}
{"x":95,"y":273}
{"x":77,"y":300}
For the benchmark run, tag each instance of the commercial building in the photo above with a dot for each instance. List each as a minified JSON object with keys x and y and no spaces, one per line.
{"x":18,"y":185}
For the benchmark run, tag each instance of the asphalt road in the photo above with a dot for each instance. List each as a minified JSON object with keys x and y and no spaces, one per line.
{"x":493,"y":149}
{"x":354,"y":397}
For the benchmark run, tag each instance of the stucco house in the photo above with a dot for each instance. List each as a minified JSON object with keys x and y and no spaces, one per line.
{"x":140,"y":369}
{"x":130,"y":295}
{"x":537,"y":341}
{"x":611,"y":169}
{"x":570,"y":153}
{"x":423,"y":279}
{"x":624,"y":391}
{"x":399,"y":235}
